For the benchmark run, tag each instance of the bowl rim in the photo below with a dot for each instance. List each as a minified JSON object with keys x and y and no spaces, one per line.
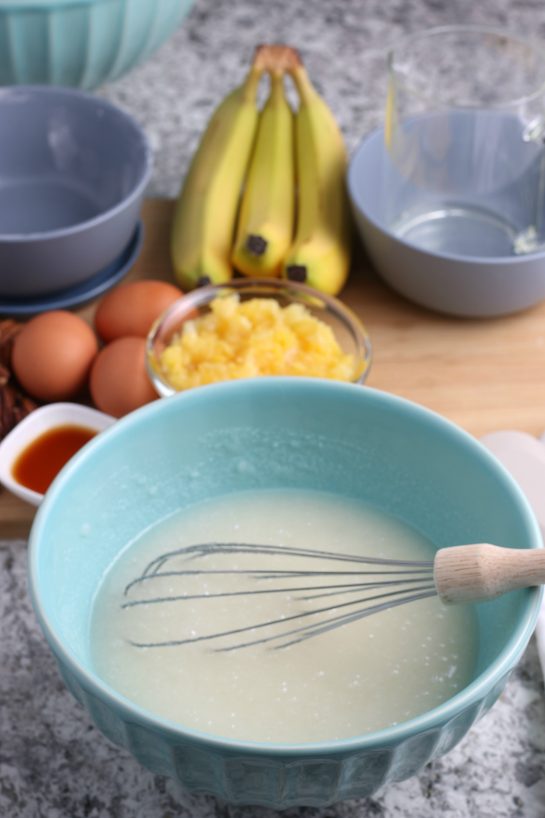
{"x":472,"y":695}
{"x":354,"y":187}
{"x":52,"y":5}
{"x":144,"y":176}
{"x":203,"y":295}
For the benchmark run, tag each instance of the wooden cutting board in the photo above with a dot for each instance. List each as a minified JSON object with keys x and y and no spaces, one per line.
{"x":484,"y":375}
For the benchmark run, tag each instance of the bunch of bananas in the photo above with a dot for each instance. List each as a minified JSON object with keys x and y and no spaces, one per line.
{"x":265,"y":191}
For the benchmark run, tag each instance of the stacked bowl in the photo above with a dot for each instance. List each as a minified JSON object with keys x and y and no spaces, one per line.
{"x":73,"y":172}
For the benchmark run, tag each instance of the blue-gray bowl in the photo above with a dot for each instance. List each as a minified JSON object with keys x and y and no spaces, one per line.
{"x":474,"y":286}
{"x":81,"y":43}
{"x":292,"y":432}
{"x":73,"y":171}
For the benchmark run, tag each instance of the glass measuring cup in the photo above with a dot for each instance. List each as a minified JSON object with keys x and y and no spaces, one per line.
{"x":464,"y":131}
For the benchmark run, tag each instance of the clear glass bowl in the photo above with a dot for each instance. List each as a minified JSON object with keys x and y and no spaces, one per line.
{"x":349,"y":332}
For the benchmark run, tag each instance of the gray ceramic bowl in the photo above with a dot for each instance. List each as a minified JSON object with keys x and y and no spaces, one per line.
{"x":471,"y":286}
{"x":73,"y":170}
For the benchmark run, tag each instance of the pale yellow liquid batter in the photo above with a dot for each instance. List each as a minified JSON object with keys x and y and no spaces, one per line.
{"x":364,"y":676}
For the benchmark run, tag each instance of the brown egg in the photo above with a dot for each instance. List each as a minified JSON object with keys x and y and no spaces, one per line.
{"x":131,"y":309}
{"x":119,"y":382}
{"x":52,"y":355}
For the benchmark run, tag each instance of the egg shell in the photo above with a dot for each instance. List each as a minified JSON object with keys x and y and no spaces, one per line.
{"x":131,"y":309}
{"x":119,"y":381}
{"x":52,"y":355}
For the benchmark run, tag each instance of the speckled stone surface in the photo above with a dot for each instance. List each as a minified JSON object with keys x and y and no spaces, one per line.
{"x":343,"y":43}
{"x":53,"y":762}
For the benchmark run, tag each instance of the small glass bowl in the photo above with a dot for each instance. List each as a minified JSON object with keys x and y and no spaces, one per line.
{"x":349,"y":332}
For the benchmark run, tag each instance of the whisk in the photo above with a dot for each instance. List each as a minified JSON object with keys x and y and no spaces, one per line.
{"x":350,"y":588}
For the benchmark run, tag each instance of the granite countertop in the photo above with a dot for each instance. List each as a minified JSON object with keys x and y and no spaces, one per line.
{"x":53,"y":762}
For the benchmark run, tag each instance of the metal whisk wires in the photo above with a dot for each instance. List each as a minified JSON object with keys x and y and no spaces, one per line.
{"x":338,"y":590}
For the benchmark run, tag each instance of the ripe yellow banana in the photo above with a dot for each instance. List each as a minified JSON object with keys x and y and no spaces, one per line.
{"x":265,"y":224}
{"x":320,"y":254}
{"x":205,"y":214}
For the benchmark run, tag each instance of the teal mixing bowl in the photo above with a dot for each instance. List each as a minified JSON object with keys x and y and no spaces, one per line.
{"x":264,"y":433}
{"x":81,"y":43}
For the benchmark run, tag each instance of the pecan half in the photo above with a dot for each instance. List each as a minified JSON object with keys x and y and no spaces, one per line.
{"x":14,"y":403}
{"x":8,"y":331}
{"x":14,"y":406}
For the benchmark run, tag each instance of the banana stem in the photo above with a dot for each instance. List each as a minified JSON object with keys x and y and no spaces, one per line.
{"x":276,"y":57}
{"x":277,"y":85}
{"x":304,"y":87}
{"x":251,"y":83}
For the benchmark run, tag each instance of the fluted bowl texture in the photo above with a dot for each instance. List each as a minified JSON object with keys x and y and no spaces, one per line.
{"x":81,"y":43}
{"x":295,"y":432}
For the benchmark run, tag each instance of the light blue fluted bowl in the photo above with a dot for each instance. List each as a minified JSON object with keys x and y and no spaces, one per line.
{"x":269,"y":433}
{"x":81,"y":43}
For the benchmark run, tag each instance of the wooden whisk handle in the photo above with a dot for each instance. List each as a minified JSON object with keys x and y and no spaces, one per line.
{"x":470,"y":572}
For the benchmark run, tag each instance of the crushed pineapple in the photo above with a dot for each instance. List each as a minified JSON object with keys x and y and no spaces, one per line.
{"x":244,"y":339}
